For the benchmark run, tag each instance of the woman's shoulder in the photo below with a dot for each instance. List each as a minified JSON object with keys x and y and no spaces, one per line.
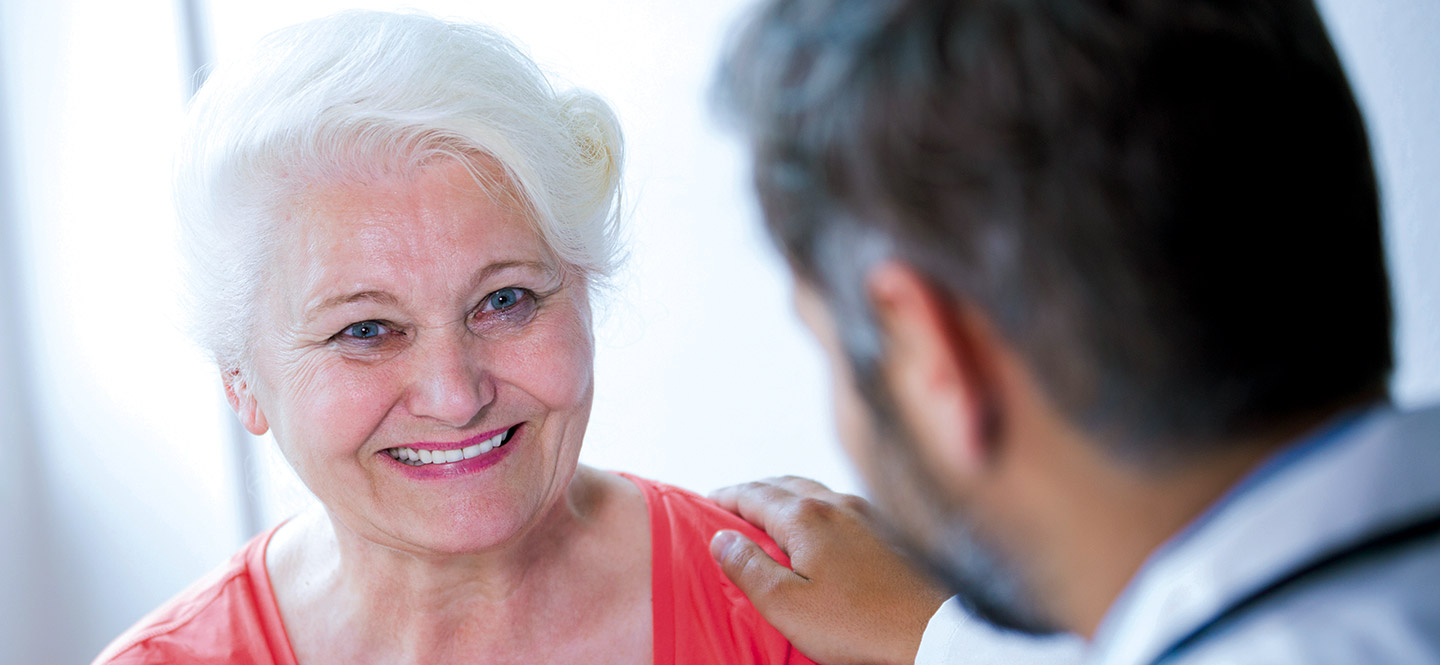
{"x":227,"y":616}
{"x":692,"y":519}
{"x":700,"y":615}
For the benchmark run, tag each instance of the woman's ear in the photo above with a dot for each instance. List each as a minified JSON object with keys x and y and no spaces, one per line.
{"x":938,"y":365}
{"x":242,"y":401}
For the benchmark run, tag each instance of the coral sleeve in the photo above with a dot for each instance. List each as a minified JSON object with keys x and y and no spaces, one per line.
{"x":230,"y":616}
{"x":700,"y":617}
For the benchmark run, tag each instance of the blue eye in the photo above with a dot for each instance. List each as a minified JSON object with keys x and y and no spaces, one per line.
{"x":365,"y":330}
{"x":504,"y":298}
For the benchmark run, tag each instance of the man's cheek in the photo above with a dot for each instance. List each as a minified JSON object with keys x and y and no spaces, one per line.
{"x":856,"y":429}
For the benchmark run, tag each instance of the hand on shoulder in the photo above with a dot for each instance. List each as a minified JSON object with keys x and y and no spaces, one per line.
{"x":848,"y":597}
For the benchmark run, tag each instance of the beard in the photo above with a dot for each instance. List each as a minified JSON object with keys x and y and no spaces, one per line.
{"x":936,"y":531}
{"x":946,"y":542}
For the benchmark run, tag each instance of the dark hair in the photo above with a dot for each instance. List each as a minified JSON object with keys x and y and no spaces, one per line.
{"x":1167,"y":206}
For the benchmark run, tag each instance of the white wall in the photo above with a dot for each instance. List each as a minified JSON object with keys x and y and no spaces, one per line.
{"x":17,"y":544}
{"x":1392,"y":53}
{"x":123,"y":492}
{"x":113,"y":429}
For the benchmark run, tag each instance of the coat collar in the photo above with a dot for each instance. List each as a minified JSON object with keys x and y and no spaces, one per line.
{"x":1326,"y":490}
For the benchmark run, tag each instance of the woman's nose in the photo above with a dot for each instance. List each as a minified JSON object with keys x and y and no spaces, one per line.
{"x":449,"y":382}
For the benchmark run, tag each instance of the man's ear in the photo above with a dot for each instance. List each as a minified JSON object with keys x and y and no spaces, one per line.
{"x":938,"y":364}
{"x":242,"y":401}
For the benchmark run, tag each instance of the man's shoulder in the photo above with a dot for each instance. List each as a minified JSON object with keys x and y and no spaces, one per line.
{"x":217,"y":619}
{"x":1333,"y":557}
{"x":1383,"y":609}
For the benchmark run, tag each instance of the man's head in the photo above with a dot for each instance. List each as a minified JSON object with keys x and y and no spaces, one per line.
{"x":1163,"y":212}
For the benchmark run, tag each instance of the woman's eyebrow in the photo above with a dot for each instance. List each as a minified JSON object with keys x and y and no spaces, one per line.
{"x":378,"y":297}
{"x":385,"y":298}
{"x":489,"y":271}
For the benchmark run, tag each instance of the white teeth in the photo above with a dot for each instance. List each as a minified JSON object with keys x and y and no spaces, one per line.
{"x":421,"y":457}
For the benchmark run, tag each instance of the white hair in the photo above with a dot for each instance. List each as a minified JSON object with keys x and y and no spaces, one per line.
{"x":359,"y":94}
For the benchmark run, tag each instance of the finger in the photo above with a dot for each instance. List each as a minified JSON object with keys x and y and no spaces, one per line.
{"x":725,"y":496}
{"x":763,"y":504}
{"x":764,"y":581}
{"x":798,"y":485}
{"x":773,"y":481}
{"x":749,"y":497}
{"x":802,"y":486}
{"x":806,"y":487}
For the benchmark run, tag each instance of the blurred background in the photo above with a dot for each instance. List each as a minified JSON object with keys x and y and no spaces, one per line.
{"x":125,"y":476}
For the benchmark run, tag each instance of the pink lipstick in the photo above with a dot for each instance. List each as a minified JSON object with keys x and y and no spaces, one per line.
{"x":445,"y":459}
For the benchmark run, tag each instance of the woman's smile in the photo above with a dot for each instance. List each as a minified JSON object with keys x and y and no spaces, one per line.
{"x":437,"y":460}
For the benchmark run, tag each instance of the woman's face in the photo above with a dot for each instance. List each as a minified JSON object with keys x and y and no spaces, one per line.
{"x":414,"y":316}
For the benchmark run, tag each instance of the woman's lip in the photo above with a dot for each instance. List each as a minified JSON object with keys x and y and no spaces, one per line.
{"x":460,"y":468}
{"x":478,"y":438}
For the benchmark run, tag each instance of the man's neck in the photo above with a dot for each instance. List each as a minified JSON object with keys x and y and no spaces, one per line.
{"x":1103,"y":517}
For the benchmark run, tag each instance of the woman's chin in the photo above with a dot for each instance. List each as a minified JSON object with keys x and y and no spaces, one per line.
{"x":462,"y":528}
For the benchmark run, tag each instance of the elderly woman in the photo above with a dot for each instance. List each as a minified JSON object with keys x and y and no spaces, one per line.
{"x":395,"y":226}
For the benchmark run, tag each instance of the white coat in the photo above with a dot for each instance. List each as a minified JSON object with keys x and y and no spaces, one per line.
{"x":1329,"y":553}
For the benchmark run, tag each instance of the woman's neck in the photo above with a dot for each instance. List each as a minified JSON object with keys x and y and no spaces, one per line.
{"x":382,"y":604}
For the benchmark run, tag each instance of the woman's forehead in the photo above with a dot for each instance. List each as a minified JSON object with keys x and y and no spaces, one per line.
{"x":387,"y":180}
{"x":434,"y":229}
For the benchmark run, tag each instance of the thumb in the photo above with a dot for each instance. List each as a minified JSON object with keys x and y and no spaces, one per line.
{"x":759,"y":577}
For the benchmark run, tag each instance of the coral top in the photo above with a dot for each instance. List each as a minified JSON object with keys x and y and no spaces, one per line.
{"x":230,"y":616}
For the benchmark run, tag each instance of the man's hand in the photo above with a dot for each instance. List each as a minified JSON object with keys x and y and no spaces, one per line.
{"x":848,"y":598}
